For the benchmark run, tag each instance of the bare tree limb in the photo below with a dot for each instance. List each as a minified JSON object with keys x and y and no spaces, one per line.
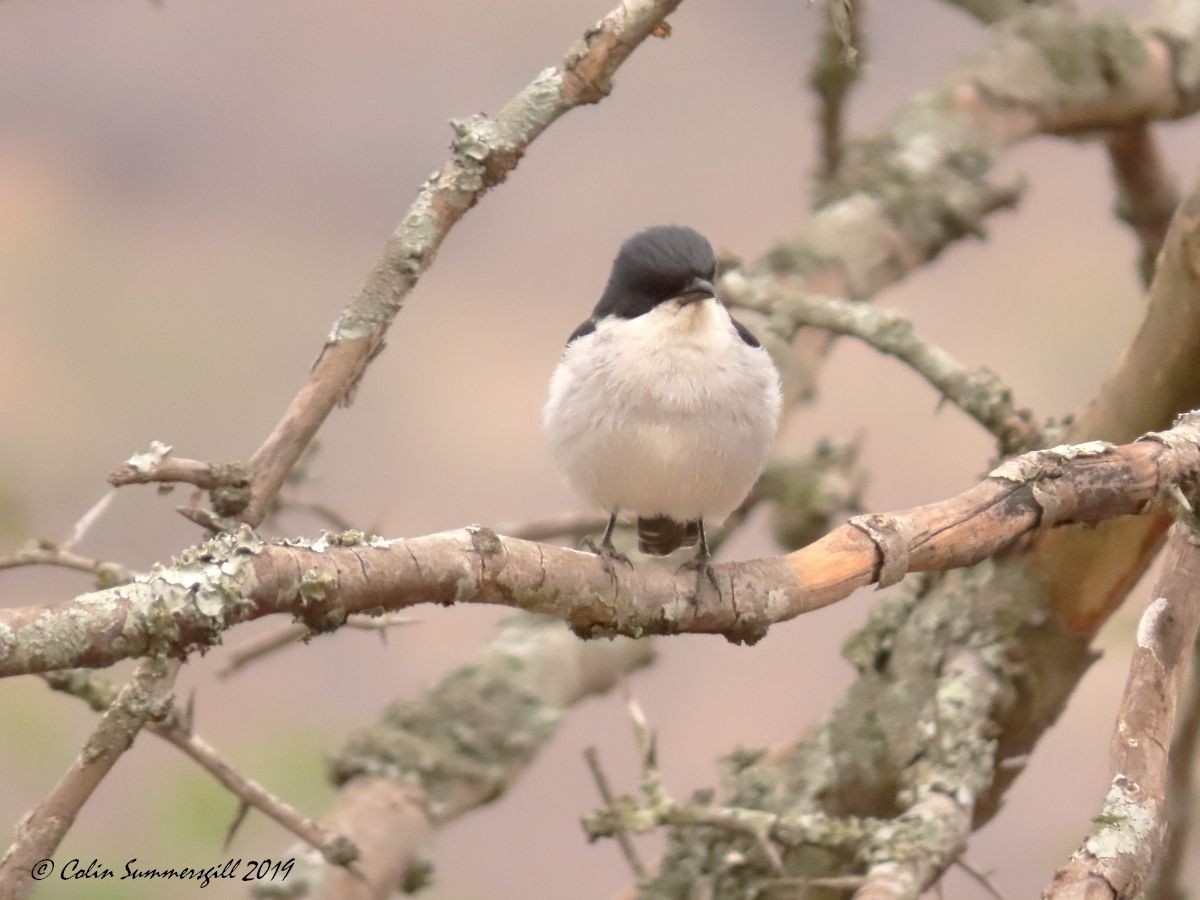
{"x":176,"y":728}
{"x":1127,"y":835}
{"x":592,"y":758}
{"x":254,"y":650}
{"x":836,"y":67}
{"x":977,"y":392}
{"x":1167,"y":883}
{"x":428,"y":761}
{"x":485,"y":150}
{"x":147,"y":696}
{"x":43,"y":553}
{"x":238,"y":577}
{"x":1147,"y":191}
{"x":910,"y":853}
{"x":87,"y":520}
{"x":1033,"y":611}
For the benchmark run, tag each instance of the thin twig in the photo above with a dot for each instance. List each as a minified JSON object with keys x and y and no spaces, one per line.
{"x":764,"y":829}
{"x":145,"y":697}
{"x":322,"y":511}
{"x":606,"y":794}
{"x":565,"y":526}
{"x":836,"y":67}
{"x":981,"y":877}
{"x":176,"y":728}
{"x":256,"y":649}
{"x":87,"y":520}
{"x":41,"y":553}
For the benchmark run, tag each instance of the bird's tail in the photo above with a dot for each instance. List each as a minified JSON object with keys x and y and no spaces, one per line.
{"x":661,"y":535}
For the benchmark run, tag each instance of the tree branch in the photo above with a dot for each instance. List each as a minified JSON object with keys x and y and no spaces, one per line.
{"x":1167,"y":882}
{"x":977,"y":392}
{"x":1147,"y":191}
{"x":266,"y":644}
{"x":428,"y":761}
{"x":238,"y":577}
{"x":485,"y":150}
{"x":1128,"y":833}
{"x":44,"y":553}
{"x":176,"y":728}
{"x":837,"y":65}
{"x":146,"y":696}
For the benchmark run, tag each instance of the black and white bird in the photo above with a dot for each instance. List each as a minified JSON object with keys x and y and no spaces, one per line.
{"x":663,"y":407}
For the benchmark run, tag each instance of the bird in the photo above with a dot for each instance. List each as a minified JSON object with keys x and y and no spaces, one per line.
{"x":663,"y":407}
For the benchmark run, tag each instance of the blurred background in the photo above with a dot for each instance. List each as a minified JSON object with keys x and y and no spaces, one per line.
{"x":189,"y":192}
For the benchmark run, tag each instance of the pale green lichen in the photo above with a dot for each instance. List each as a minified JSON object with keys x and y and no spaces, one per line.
{"x":1124,"y":824}
{"x":464,"y":740}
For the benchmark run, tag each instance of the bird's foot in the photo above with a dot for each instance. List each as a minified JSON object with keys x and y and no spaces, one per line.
{"x":608,"y":554}
{"x":701,"y":564}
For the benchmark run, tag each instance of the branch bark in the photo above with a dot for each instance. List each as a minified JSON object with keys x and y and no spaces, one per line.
{"x":977,"y":392}
{"x":1128,"y":834}
{"x":1033,"y":610}
{"x":146,"y":696}
{"x":428,"y":761}
{"x":176,"y":728}
{"x":485,"y":150}
{"x":238,"y":577}
{"x":907,"y":193}
{"x":1147,"y":191}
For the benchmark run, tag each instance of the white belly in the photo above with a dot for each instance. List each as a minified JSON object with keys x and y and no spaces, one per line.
{"x":671,"y":413}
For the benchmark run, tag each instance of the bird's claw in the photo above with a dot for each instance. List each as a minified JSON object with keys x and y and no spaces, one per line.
{"x":702,"y":566}
{"x":606,"y":551}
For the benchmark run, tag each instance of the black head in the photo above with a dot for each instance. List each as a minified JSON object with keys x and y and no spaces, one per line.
{"x":658,"y":264}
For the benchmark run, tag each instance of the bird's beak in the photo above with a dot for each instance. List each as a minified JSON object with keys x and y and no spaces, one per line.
{"x":697,"y":289}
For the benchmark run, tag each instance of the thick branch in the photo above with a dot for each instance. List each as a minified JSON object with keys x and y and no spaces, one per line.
{"x":1147,"y":193}
{"x":904,"y":195}
{"x":146,"y":696}
{"x":238,"y":577}
{"x":429,"y":760}
{"x":1167,"y":883}
{"x":911,"y":852}
{"x":1126,"y":836}
{"x":853,"y":760}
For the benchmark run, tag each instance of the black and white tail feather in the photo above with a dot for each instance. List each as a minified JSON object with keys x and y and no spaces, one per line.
{"x":662,"y":535}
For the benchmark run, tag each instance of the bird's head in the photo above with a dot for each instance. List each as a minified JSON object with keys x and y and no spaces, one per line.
{"x":659,"y":265}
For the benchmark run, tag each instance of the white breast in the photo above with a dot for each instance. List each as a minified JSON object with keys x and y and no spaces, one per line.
{"x":670,"y":413}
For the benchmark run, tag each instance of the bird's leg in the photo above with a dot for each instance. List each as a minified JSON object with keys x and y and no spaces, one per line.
{"x":605,"y":549}
{"x":700,"y":563}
